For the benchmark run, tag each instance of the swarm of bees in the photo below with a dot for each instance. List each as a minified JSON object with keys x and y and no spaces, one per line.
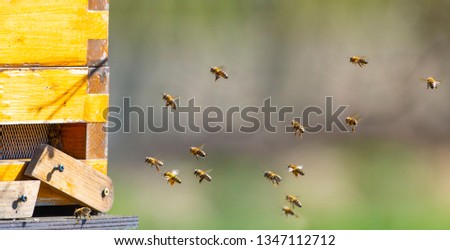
{"x":82,"y":213}
{"x":297,"y":170}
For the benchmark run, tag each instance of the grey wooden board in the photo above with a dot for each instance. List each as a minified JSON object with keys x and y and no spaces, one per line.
{"x":100,"y":222}
{"x":10,"y":204}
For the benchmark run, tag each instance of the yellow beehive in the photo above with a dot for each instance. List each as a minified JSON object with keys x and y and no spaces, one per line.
{"x":54,"y":84}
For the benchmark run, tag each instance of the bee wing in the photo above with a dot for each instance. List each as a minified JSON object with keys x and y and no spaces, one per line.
{"x":201,"y":146}
{"x":356,"y":116}
{"x":208,"y":171}
{"x":175,"y":172}
{"x":222,"y":67}
{"x":300,"y":166}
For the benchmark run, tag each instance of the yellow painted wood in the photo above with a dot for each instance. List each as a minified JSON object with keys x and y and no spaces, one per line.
{"x":45,"y":95}
{"x":13,"y":170}
{"x":10,"y":204}
{"x":77,"y":180}
{"x":95,"y":108}
{"x":48,"y":33}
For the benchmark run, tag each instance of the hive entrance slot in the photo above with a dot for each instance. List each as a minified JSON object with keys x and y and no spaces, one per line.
{"x":19,"y":141}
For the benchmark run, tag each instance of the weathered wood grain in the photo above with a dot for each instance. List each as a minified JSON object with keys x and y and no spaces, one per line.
{"x":11,"y":204}
{"x":52,"y":33}
{"x":100,"y":222}
{"x":77,"y":180}
{"x":96,"y":141}
{"x":49,"y":95}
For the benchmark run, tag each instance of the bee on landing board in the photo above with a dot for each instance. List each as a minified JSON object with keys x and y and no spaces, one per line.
{"x":202,"y":175}
{"x":361,"y":61}
{"x":288,"y":211}
{"x":83,"y":212}
{"x":276,"y":179}
{"x":153,"y":162}
{"x":296,"y":170}
{"x":432,"y":83}
{"x":170,"y":101}
{"x":198,"y":151}
{"x":293,"y":200}
{"x":352,"y":121}
{"x":298,"y":128}
{"x":219,"y":72}
{"x":172,"y":177}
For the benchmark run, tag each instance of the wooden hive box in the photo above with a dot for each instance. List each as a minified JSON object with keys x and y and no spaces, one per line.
{"x":54,"y":90}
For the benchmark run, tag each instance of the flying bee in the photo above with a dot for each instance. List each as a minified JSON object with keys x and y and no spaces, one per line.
{"x":432,"y":83}
{"x":198,"y":151}
{"x":297,"y":128}
{"x":219,"y":72}
{"x":361,"y":61}
{"x":293,"y":200}
{"x":170,"y":101}
{"x":296,"y":170}
{"x":352,"y":121}
{"x":288,"y":211}
{"x":202,"y":175}
{"x":171,"y":177}
{"x":276,"y":179}
{"x":82,"y":212}
{"x":152,"y":161}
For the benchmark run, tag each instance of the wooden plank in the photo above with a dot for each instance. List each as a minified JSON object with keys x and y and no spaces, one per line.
{"x":98,"y":222}
{"x":49,"y":196}
{"x":97,"y":141}
{"x":48,"y":95}
{"x":51,"y":33}
{"x":18,"y":198}
{"x":77,"y":180}
{"x":96,"y":105}
{"x":11,"y":170}
{"x":98,"y":82}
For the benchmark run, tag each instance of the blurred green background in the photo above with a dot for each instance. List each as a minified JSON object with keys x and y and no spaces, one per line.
{"x":392,"y":174}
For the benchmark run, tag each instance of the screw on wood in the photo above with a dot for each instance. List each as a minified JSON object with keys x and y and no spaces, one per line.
{"x":60,"y":168}
{"x":105,"y":192}
{"x":23,"y":198}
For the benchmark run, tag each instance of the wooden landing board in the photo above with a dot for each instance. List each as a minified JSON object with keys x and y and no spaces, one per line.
{"x":77,"y":180}
{"x":50,"y":95}
{"x":53,"y":33}
{"x":100,"y":222}
{"x":10,"y":204}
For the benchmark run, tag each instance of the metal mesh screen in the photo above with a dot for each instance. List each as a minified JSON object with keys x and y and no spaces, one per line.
{"x":20,"y":141}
